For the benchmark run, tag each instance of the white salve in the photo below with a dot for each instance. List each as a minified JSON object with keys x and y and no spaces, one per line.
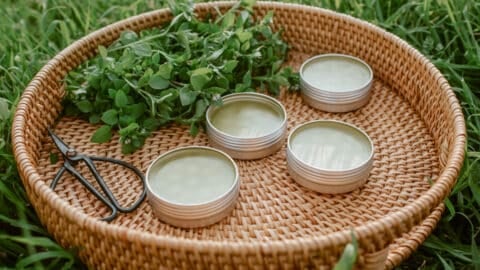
{"x":192,"y":176}
{"x":336,"y":74}
{"x":330,"y":146}
{"x":246,"y":119}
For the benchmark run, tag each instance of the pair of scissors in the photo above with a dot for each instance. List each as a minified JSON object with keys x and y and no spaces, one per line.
{"x":71,"y":157}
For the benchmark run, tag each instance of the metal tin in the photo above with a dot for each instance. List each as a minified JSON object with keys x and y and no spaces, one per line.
{"x":329,"y":156}
{"x":247,"y":125}
{"x":335,"y":82}
{"x":192,"y":186}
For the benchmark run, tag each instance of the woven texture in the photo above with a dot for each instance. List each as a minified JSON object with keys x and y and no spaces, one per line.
{"x":413,"y":119}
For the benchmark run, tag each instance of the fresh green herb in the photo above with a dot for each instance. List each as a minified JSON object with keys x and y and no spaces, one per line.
{"x":143,"y":81}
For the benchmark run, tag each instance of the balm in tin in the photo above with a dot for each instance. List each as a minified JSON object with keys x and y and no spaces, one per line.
{"x":247,"y":125}
{"x":192,"y":186}
{"x":335,"y":82}
{"x":329,"y":156}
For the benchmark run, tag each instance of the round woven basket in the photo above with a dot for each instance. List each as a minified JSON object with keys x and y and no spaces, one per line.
{"x":413,"y":118}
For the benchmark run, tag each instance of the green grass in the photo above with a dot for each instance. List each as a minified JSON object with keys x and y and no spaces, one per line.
{"x":447,"y":32}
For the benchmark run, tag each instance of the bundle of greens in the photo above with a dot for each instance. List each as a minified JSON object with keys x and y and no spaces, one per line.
{"x":146,"y":80}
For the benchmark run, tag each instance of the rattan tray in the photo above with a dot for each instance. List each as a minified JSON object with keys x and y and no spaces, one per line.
{"x":413,"y":118}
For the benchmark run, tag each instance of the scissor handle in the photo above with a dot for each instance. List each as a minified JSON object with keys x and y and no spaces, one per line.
{"x":88,"y":160}
{"x":68,"y":167}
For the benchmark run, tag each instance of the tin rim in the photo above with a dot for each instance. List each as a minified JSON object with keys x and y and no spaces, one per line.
{"x":361,"y":165}
{"x":228,"y":137}
{"x":159,"y":198}
{"x":314,"y":58}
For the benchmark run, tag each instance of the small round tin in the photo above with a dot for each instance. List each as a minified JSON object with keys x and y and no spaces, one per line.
{"x":329,"y":156}
{"x":335,"y":82}
{"x":192,"y":186}
{"x":247,"y":125}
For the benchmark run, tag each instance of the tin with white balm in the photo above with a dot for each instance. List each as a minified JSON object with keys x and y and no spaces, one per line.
{"x":247,"y":125}
{"x":329,"y":156}
{"x":336,"y":82}
{"x":192,"y":186}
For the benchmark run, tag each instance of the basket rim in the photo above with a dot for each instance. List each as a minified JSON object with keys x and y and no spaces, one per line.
{"x":408,"y":216}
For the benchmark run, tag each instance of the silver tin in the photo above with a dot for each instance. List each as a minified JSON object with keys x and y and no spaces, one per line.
{"x":198,"y":214}
{"x":248,"y":147}
{"x":336,"y":101}
{"x":328,"y":180}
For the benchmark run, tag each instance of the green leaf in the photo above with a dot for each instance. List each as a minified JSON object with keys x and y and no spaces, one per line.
{"x":145,"y":78}
{"x":200,"y":77}
{"x":158,"y":82}
{"x":245,"y":46}
{"x":216,"y":54}
{"x":200,"y":107}
{"x":240,"y":87}
{"x":244,"y":36}
{"x":125,"y":120}
{"x":155,"y":58}
{"x":112,"y":93}
{"x":193,"y":129}
{"x":247,"y":78}
{"x":137,"y":142}
{"x":103,"y":134}
{"x":151,"y":124}
{"x":118,"y":83}
{"x":216,"y":90}
{"x":128,"y":148}
{"x":202,"y":71}
{"x":84,"y":106}
{"x":4,"y":111}
{"x":223,"y":82}
{"x":110,"y":117}
{"x":129,"y":129}
{"x":121,"y":99}
{"x":228,"y":20}
{"x":230,"y":65}
{"x":165,"y":71}
{"x":94,"y":119}
{"x":136,"y":110}
{"x":244,"y":15}
{"x":187,"y":97}
{"x":142,"y":49}
{"x":103,"y":51}
{"x":349,"y":256}
{"x":280,"y":80}
{"x":128,"y":37}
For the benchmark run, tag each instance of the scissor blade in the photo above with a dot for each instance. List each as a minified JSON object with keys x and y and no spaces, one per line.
{"x":61,"y":145}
